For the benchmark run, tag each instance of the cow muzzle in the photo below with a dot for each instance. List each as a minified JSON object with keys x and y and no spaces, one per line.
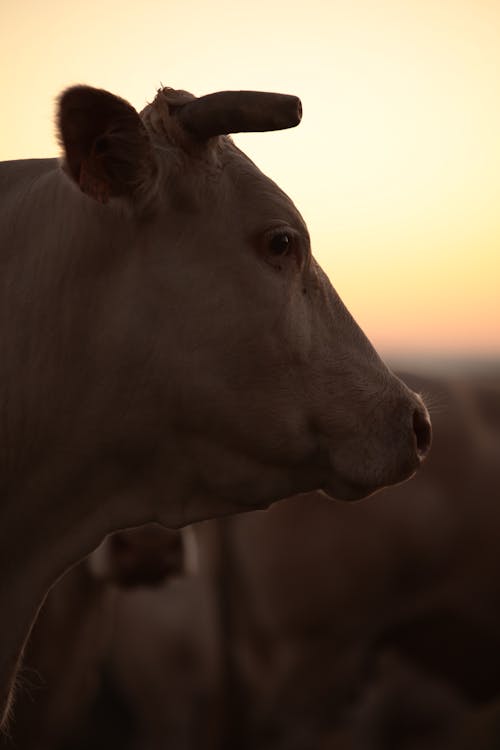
{"x":385,"y":447}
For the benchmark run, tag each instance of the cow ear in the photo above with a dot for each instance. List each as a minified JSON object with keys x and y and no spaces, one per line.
{"x":106,"y":146}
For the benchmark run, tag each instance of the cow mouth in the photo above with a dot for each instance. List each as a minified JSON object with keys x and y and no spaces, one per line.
{"x":349,"y":491}
{"x":338,"y":485}
{"x":340,"y":489}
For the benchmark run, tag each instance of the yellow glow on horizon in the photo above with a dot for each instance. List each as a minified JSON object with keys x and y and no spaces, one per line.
{"x":396,"y":165}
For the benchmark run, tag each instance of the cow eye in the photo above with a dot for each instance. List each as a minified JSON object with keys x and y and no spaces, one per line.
{"x":280,"y":244}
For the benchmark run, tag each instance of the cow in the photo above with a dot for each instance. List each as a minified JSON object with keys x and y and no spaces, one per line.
{"x":65,"y":657}
{"x":171,"y":351}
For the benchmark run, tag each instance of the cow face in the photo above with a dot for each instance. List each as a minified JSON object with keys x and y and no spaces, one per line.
{"x":258,"y":383}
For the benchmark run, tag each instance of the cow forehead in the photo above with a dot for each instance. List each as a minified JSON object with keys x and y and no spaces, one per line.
{"x":255,"y":199}
{"x":258,"y":196}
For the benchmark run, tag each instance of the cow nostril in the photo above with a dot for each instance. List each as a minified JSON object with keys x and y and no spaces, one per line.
{"x":423,"y":432}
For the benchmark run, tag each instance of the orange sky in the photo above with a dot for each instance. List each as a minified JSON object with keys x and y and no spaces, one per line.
{"x":396,"y":165}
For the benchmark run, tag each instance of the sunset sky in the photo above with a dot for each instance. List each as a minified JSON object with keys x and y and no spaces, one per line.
{"x":395,"y":167}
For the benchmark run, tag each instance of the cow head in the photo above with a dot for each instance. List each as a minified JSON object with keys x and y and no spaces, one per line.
{"x":146,"y":556}
{"x":245,"y":378}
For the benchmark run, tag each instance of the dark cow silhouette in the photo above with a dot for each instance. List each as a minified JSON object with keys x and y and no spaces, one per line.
{"x":171,"y":351}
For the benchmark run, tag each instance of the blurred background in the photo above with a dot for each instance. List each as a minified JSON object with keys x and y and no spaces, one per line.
{"x":314,"y":625}
{"x":395,"y":167}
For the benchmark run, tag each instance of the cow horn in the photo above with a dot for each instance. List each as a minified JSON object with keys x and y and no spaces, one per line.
{"x":239,"y":111}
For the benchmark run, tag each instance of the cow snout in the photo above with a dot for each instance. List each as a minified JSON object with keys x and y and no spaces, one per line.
{"x":386,"y":448}
{"x":422,"y":431}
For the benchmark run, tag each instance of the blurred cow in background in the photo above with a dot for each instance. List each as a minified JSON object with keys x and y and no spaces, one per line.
{"x":166,"y":659}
